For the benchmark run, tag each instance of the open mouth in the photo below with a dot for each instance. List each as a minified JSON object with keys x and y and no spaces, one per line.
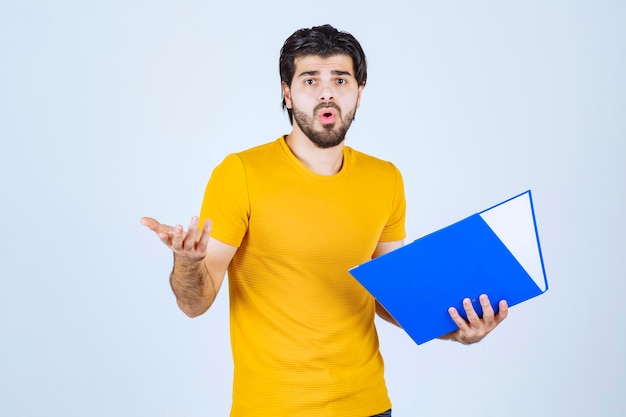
{"x":327,"y":116}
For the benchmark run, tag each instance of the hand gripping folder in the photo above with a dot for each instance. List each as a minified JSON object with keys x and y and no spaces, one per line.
{"x":494,"y":252}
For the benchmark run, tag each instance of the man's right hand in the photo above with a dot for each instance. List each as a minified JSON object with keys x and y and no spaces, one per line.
{"x":189,"y":246}
{"x":200,"y":263}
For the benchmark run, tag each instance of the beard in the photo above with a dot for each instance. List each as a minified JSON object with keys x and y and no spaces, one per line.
{"x":328,"y":135}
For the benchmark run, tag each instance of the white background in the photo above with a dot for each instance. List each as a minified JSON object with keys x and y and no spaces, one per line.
{"x":113,"y":110}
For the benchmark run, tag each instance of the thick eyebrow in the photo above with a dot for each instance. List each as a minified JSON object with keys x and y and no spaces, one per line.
{"x":337,"y":72}
{"x":313,"y":73}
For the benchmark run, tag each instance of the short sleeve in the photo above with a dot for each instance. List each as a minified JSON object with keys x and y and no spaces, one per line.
{"x":226,"y":202}
{"x":395,"y":227}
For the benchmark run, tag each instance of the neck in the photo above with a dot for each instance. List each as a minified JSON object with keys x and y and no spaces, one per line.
{"x":320,"y":161}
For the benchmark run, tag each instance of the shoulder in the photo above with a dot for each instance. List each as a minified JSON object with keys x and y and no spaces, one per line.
{"x":242,"y":160}
{"x":364,"y":162}
{"x":260,"y":152}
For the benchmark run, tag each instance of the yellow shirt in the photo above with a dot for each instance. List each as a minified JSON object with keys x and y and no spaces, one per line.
{"x":302,"y":329}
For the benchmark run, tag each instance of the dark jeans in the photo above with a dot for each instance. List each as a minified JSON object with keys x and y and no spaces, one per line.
{"x":385,"y":414}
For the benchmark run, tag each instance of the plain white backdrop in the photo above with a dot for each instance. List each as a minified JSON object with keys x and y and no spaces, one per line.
{"x":114,"y":110}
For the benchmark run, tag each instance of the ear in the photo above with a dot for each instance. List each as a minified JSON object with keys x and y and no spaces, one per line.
{"x":286,"y":94}
{"x":358,"y":97}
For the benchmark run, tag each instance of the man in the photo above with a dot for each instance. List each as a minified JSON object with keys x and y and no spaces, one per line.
{"x":287,"y":220}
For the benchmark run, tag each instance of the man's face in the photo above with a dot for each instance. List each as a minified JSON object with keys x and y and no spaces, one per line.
{"x":323,"y":97}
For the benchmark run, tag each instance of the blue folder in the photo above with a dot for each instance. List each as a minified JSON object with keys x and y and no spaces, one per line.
{"x":494,"y":252}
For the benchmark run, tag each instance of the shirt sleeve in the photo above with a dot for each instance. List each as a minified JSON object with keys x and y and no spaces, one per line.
{"x":226,"y":202}
{"x":395,"y":227}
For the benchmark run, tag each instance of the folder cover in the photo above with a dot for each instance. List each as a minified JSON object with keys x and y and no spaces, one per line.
{"x":494,"y":252}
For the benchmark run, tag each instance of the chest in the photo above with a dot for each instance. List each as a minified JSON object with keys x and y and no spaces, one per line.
{"x":295,"y":216}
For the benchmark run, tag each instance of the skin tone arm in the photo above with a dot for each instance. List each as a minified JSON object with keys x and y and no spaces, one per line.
{"x":200,"y":263}
{"x":471,"y":331}
{"x":381,"y":249}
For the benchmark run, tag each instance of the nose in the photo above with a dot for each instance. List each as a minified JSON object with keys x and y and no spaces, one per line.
{"x":326,"y":92}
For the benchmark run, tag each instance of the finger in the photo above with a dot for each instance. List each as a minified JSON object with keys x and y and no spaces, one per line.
{"x":150,"y":223}
{"x":204,"y":237}
{"x":190,"y":238}
{"x":472,"y":316}
{"x":163,"y":231}
{"x":156,"y":227}
{"x":456,"y":317}
{"x":178,"y":237}
{"x":503,"y":310}
{"x":485,"y":304}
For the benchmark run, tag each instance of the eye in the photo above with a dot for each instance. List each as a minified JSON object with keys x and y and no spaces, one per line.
{"x":341,"y":81}
{"x":309,"y":81}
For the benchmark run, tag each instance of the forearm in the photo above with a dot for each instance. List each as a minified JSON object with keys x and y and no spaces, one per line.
{"x":384,"y":314}
{"x":449,"y":336}
{"x":193,"y":287}
{"x":381,"y":249}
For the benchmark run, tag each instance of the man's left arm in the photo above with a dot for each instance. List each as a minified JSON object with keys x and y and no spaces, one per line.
{"x":381,"y":249}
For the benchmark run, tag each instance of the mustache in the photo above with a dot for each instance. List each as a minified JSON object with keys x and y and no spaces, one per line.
{"x":326,"y":105}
